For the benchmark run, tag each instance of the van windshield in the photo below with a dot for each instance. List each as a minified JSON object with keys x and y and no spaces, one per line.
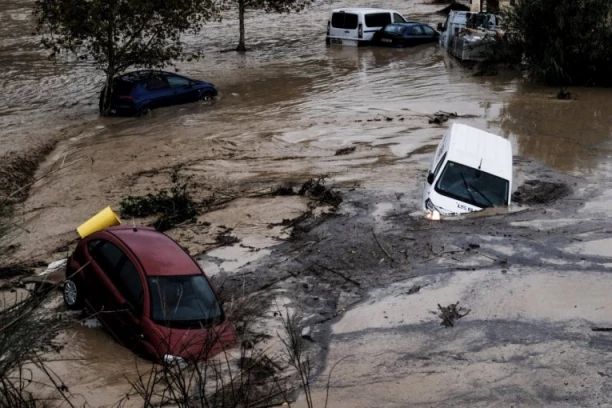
{"x":472,"y":186}
{"x":183,"y":301}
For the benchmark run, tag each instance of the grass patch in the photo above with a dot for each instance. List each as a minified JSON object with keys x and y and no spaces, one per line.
{"x":172,"y":207}
{"x":17,"y":172}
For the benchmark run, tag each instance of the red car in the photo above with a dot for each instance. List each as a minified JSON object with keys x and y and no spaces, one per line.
{"x":149,"y":293}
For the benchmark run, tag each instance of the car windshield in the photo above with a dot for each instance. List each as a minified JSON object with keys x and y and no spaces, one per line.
{"x":183,"y":301}
{"x":472,"y":186}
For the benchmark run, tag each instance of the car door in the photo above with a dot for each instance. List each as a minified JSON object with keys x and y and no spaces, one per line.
{"x":414,"y":35}
{"x":158,"y":92}
{"x":183,"y":89}
{"x":103,"y":298}
{"x":129,"y":283}
{"x":343,"y":26}
{"x":430,"y":34}
{"x":106,"y":286}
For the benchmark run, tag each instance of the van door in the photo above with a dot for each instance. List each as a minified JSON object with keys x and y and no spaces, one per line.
{"x":343,"y":27}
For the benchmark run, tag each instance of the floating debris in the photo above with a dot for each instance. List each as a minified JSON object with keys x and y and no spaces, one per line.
{"x":451,"y":313}
{"x":345,"y":150}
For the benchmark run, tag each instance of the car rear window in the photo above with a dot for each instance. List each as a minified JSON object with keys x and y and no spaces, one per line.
{"x":346,"y":21}
{"x":377,"y":19}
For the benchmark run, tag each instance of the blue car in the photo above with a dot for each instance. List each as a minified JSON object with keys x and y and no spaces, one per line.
{"x":405,"y":35}
{"x":137,"y":92}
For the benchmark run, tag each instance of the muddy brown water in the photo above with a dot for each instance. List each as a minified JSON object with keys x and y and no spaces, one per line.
{"x":286,"y":106}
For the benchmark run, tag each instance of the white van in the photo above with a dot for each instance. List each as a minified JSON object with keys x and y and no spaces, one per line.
{"x":356,"y":26}
{"x":471,"y":170}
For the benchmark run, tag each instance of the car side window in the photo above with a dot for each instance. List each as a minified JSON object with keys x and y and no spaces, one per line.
{"x":92,"y":246}
{"x":428,"y":30}
{"x":109,"y":257}
{"x":377,"y":19}
{"x":176,"y":81}
{"x":155,"y":83}
{"x":415,"y":30}
{"x":398,"y":19}
{"x":130,"y":285}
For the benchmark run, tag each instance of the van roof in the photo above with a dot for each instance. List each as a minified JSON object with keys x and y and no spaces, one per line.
{"x":363,"y":10}
{"x":470,"y":146}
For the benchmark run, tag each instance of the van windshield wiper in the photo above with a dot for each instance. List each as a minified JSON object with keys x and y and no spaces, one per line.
{"x":482,"y":195}
{"x":467,"y":188}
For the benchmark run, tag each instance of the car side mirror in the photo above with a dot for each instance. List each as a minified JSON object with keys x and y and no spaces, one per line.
{"x":440,"y":27}
{"x":430,"y":178}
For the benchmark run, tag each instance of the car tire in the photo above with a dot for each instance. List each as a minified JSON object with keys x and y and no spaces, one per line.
{"x":145,"y":110}
{"x":73,"y":294}
{"x":207,"y":96}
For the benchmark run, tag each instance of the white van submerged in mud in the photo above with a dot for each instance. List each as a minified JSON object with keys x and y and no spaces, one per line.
{"x":471,"y":170}
{"x":357,"y":26}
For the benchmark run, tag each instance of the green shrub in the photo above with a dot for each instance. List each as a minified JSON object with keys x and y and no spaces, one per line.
{"x":562,"y":42}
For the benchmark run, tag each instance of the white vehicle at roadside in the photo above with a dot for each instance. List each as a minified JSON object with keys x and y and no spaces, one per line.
{"x":468,"y":36}
{"x":471,"y":170}
{"x":357,"y":26}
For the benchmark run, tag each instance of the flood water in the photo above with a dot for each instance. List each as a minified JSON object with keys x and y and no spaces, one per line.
{"x":286,"y":106}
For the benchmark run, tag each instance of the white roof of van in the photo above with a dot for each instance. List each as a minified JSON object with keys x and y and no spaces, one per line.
{"x":468,"y":145}
{"x":363,"y":10}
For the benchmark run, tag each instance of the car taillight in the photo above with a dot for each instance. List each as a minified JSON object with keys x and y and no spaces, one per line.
{"x":126,"y":98}
{"x":328,"y":26}
{"x":360,"y":30}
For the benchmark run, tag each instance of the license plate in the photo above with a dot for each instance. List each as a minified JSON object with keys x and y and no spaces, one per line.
{"x":336,"y":41}
{"x":386,"y":40}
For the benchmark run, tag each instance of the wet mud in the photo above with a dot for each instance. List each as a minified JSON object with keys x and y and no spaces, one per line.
{"x":294,"y":110}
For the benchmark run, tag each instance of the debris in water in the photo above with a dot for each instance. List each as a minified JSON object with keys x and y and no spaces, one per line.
{"x":564,"y":95}
{"x":284,"y":191}
{"x":54,"y":266}
{"x":440,"y":117}
{"x":451,"y":313}
{"x":227,"y":238}
{"x":414,"y":289}
{"x":345,"y":150}
{"x":172,"y":208}
{"x":539,"y":192}
{"x":602,"y":329}
{"x":316,"y":190}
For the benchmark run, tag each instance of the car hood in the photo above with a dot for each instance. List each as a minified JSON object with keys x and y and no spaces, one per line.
{"x":193,"y":344}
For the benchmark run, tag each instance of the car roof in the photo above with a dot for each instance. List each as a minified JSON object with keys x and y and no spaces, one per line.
{"x":406,"y":24}
{"x":134,"y":76}
{"x":363,"y":10}
{"x":158,"y":254}
{"x":477,"y":148}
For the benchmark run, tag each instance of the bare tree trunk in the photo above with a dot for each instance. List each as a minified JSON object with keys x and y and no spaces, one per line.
{"x":241,"y":9}
{"x":105,"y":97}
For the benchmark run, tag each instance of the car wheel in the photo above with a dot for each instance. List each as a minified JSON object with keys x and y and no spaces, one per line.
{"x":145,"y":110}
{"x":73,"y":295}
{"x":207,"y":96}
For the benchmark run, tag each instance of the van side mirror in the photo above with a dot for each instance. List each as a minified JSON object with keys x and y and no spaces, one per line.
{"x":430,"y":178}
{"x":440,"y":27}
